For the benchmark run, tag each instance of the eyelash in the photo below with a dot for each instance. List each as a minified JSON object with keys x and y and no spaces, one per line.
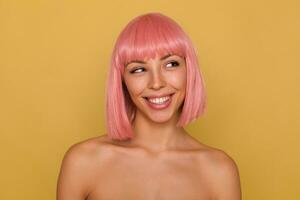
{"x":133,"y":71}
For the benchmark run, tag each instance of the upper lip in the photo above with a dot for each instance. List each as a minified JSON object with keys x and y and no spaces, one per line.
{"x":158,"y":96}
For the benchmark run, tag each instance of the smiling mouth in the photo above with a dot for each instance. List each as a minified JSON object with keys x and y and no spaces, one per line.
{"x":169,"y":95}
{"x":159,"y":103}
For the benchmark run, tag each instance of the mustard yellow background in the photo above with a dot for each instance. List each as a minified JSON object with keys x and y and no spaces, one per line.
{"x":54,"y":64}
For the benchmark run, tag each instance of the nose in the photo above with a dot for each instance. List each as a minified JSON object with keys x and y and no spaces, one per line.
{"x":157,"y":80}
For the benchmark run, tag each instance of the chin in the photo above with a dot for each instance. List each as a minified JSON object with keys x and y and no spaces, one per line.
{"x":160,"y":117}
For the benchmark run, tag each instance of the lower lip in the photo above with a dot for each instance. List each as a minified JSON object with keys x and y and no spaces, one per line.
{"x":160,"y":106}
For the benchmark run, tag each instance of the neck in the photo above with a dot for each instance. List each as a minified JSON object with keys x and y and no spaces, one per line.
{"x":157,"y":137}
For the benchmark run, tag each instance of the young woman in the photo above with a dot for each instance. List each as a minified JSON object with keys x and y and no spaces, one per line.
{"x":154,"y":88}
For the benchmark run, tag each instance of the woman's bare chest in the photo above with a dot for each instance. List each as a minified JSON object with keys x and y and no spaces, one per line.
{"x":133,"y":179}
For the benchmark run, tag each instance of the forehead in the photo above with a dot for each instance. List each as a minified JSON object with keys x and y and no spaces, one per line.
{"x":157,"y":57}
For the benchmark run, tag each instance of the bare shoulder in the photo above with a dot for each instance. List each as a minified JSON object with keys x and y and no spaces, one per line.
{"x":217,"y":158}
{"x":83,"y":150}
{"x":222,"y":172}
{"x":90,"y":145}
{"x":78,"y":166}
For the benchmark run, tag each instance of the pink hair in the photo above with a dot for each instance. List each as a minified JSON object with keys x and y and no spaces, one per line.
{"x":142,"y":38}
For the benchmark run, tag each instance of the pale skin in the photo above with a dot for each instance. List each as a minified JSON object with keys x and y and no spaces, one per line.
{"x":161,"y":162}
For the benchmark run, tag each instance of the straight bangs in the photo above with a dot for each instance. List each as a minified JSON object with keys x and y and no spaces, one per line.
{"x":146,"y":37}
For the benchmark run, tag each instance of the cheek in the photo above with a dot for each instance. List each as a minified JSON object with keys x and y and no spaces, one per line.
{"x":178,"y":79}
{"x":135,"y":86}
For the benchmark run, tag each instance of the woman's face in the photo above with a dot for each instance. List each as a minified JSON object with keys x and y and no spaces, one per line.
{"x":157,"y":86}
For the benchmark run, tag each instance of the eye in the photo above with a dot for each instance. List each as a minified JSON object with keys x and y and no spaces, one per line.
{"x":141,"y":69}
{"x":174,"y":63}
{"x":136,"y":70}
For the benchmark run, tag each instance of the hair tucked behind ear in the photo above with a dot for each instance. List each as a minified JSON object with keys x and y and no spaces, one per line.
{"x":144,"y":37}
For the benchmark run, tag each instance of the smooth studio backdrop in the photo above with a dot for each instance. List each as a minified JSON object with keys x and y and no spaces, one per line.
{"x":54,"y":63}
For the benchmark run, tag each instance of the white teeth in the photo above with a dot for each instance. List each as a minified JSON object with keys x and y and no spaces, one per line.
{"x":160,"y":100}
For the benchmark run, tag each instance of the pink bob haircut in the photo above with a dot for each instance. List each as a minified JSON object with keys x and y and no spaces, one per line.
{"x":142,"y":38}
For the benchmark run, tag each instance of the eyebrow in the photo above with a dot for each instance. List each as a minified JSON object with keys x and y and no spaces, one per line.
{"x":142,"y":62}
